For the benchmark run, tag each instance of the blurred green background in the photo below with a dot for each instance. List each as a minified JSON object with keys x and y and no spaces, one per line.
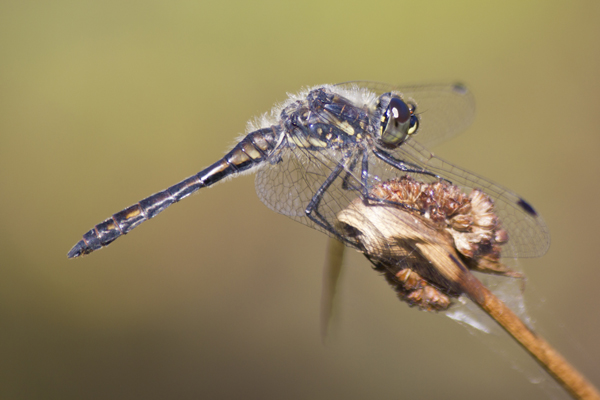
{"x":104,"y":103}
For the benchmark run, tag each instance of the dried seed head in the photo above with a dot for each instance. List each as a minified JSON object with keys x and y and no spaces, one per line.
{"x":416,"y":291}
{"x":424,"y":236}
{"x":470,"y":220}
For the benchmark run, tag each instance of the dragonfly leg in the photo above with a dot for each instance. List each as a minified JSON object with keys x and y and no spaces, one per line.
{"x":404,"y":165}
{"x":312,"y":210}
{"x":401,"y":165}
{"x":349,"y":174}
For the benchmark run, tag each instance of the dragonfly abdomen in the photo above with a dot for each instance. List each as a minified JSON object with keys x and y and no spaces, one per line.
{"x":248,"y":153}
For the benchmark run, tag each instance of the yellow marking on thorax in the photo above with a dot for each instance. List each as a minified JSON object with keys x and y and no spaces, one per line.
{"x":299,"y":140}
{"x":316,"y":142}
{"x":346,"y":127}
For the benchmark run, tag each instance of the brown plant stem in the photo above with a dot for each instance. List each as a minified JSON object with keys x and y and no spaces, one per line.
{"x":563,"y":372}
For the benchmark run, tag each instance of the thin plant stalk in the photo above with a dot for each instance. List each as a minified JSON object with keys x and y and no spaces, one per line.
{"x":550,"y":359}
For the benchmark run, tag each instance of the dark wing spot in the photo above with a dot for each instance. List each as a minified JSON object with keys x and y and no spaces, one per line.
{"x":459,"y":88}
{"x":527,"y":207}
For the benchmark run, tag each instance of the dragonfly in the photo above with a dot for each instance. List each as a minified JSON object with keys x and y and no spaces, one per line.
{"x":328,"y":145}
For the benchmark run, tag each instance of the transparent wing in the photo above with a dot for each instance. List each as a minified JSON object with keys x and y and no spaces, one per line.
{"x":445,"y":110}
{"x":289,"y":180}
{"x":288,"y":183}
{"x":528,"y":234}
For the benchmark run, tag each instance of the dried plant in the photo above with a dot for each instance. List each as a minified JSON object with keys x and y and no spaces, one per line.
{"x":427,"y":238}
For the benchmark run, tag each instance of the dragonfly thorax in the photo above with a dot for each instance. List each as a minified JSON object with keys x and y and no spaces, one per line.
{"x":326,"y":119}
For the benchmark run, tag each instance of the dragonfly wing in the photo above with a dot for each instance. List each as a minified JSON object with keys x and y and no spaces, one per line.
{"x":528,"y":234}
{"x":293,"y":175}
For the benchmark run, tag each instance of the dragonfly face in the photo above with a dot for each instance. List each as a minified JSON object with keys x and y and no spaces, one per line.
{"x":331,"y":144}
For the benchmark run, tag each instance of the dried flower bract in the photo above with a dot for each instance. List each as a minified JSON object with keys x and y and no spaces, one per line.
{"x":424,"y":237}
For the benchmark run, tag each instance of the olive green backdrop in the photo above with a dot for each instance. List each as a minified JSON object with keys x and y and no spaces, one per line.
{"x":103,"y":103}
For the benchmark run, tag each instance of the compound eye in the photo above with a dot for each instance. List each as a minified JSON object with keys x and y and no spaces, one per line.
{"x":414,"y":124}
{"x":398,"y":111}
{"x":398,"y":123}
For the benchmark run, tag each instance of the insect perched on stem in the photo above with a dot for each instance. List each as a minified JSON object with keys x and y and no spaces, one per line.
{"x":320,"y":149}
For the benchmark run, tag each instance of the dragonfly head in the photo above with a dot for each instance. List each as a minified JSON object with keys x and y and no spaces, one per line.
{"x":398,"y":120}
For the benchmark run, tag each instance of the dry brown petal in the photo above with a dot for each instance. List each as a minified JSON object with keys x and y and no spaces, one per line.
{"x":501,"y":236}
{"x":461,"y":222}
